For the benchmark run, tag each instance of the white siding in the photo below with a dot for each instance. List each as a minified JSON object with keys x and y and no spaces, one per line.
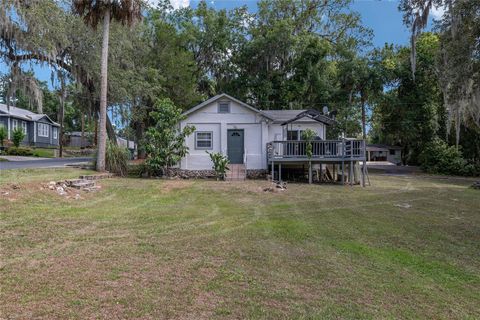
{"x":253,"y":144}
{"x":208,"y":119}
{"x":278,"y":132}
{"x":257,"y":132}
{"x":199,"y":159}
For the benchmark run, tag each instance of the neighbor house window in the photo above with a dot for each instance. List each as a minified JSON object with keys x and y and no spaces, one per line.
{"x":42,"y":130}
{"x":392,"y":152}
{"x":24,"y":127}
{"x":224,"y":107}
{"x":203,"y":140}
{"x":55,"y":133}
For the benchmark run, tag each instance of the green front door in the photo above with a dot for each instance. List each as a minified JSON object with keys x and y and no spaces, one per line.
{"x":235,"y":146}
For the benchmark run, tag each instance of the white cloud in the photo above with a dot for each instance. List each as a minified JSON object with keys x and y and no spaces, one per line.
{"x":176,"y":4}
{"x":437,"y":13}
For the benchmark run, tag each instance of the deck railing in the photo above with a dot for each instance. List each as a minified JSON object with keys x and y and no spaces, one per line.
{"x":346,"y":149}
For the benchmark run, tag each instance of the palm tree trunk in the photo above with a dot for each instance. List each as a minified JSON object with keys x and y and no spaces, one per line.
{"x":102,"y":136}
{"x":60,"y":135}
{"x":364,"y":121}
{"x":82,"y":136}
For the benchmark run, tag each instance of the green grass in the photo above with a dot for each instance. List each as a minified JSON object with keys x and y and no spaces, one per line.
{"x":202,"y":249}
{"x":43,"y":153}
{"x":3,"y":160}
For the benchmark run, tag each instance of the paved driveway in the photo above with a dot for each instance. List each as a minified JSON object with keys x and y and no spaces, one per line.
{"x":41,"y":163}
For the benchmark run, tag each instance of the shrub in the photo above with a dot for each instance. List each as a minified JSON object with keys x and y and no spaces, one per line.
{"x":137,"y":170}
{"x":164,"y":141}
{"x":116,"y":159}
{"x":308,"y":135}
{"x":3,"y":134}
{"x":17,"y":151}
{"x":438,"y":157}
{"x":220,"y":164}
{"x":17,"y":136}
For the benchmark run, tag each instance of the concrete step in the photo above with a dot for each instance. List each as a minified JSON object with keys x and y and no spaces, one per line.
{"x":97,"y":176}
{"x":81,"y":184}
{"x":237,"y":172}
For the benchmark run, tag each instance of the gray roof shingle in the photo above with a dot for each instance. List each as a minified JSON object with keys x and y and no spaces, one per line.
{"x":23,"y":113}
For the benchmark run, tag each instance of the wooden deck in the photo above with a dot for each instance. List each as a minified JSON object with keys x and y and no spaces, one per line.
{"x":344,"y":155}
{"x":321,"y":151}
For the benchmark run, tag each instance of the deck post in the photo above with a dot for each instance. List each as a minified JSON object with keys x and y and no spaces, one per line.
{"x":343,"y":172}
{"x":273,"y":172}
{"x":352,"y":177}
{"x":310,"y":172}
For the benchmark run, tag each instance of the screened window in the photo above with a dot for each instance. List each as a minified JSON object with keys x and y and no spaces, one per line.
{"x":14,"y":124}
{"x":24,"y":127}
{"x":43,"y":130}
{"x":203,"y":140}
{"x":224,"y":107}
{"x":55,"y":133}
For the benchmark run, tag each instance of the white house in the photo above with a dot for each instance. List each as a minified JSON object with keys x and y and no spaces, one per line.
{"x":225,"y":124}
{"x":381,"y":152}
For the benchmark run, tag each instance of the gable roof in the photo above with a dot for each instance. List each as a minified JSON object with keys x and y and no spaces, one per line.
{"x":277,"y":116}
{"x":23,"y":114}
{"x":312,"y":115}
{"x":220,"y":96}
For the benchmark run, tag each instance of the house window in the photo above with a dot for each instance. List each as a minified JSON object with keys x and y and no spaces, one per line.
{"x":43,"y":130}
{"x":224,"y":107}
{"x":392,"y":152}
{"x":294,"y":135}
{"x":55,"y":133}
{"x":24,"y":127}
{"x":14,"y":124}
{"x":203,"y":140}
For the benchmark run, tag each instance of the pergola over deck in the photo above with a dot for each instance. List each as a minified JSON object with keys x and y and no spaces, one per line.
{"x":341,"y":152}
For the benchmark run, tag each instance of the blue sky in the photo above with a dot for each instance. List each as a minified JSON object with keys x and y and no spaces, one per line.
{"x":382,"y":16}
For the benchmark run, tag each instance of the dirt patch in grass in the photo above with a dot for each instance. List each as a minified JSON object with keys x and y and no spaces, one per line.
{"x":175,"y":184}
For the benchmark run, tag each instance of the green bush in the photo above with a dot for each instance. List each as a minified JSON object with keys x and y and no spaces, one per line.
{"x":17,"y":136}
{"x":137,"y":170}
{"x":309,"y":135}
{"x":116,"y":159}
{"x":17,"y":151}
{"x":438,"y":157}
{"x":3,"y":134}
{"x":164,"y":142}
{"x":220,"y":164}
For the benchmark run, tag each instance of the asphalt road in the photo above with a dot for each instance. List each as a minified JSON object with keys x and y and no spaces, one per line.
{"x":47,"y":163}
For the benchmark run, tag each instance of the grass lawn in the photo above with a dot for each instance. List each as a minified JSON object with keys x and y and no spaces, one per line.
{"x":407,"y":247}
{"x":43,"y":153}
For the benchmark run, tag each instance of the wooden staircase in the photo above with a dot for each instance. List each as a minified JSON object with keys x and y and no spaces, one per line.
{"x":237,"y":172}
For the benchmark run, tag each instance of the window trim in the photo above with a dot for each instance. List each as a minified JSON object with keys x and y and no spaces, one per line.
{"x":43,"y":130}
{"x":224,"y":103}
{"x":24,"y":127}
{"x":211,"y":140}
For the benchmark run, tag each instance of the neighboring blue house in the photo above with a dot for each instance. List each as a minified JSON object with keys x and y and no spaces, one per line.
{"x":40,"y":130}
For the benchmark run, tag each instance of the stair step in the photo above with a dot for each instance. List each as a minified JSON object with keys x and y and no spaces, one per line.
{"x":237,"y":172}
{"x":82,"y":184}
{"x":97,"y":176}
